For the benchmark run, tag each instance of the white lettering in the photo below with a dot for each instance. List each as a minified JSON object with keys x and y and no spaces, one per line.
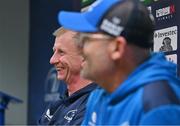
{"x":165,"y":34}
{"x":111,"y":28}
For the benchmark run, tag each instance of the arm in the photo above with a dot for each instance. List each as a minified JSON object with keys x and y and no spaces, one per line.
{"x":164,"y":115}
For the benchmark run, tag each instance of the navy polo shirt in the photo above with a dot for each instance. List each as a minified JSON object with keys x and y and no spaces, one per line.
{"x":68,"y":110}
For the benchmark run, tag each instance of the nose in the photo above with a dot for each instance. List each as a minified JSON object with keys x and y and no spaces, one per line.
{"x":54,"y":59}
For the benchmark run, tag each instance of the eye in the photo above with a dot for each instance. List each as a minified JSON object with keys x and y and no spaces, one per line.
{"x":61,"y":52}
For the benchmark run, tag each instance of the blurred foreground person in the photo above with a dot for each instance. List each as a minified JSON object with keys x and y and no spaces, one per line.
{"x":138,"y":87}
{"x":67,"y":60}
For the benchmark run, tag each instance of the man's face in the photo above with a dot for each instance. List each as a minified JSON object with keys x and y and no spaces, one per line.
{"x":167,"y":41}
{"x":96,"y":57}
{"x":66,"y":58}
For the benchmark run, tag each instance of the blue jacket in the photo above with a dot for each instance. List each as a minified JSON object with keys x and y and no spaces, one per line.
{"x":150,"y":95}
{"x":69,"y":110}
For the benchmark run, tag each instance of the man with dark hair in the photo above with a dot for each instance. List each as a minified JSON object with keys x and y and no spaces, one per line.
{"x":138,"y":87}
{"x":67,"y":60}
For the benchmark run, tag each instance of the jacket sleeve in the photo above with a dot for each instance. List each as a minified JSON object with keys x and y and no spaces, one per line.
{"x":165,"y":115}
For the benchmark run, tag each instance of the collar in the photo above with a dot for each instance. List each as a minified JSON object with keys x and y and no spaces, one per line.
{"x":76,"y":95}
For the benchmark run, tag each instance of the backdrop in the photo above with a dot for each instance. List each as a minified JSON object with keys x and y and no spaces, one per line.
{"x":166,"y":35}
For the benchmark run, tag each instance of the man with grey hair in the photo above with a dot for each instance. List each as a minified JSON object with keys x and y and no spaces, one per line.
{"x":67,"y":60}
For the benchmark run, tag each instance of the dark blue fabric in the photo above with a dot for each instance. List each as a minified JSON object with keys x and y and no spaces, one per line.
{"x":125,"y":105}
{"x":157,"y":94}
{"x":67,"y":110}
{"x":2,"y":110}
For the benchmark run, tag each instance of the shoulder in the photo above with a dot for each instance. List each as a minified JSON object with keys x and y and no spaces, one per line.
{"x":96,"y":93}
{"x":161,"y":104}
{"x":94,"y":98}
{"x":157,"y":94}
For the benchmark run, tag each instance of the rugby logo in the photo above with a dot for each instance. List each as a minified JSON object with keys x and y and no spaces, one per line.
{"x":69,"y":115}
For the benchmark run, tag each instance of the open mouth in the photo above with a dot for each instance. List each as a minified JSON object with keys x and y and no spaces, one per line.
{"x":60,"y":69}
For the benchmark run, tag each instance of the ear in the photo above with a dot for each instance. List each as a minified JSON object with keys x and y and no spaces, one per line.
{"x":117,"y":48}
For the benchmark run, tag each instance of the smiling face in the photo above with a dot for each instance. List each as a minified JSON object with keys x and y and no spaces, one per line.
{"x":66,"y":57}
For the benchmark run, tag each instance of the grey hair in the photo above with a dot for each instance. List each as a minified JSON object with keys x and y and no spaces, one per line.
{"x":76,"y":37}
{"x":59,"y":31}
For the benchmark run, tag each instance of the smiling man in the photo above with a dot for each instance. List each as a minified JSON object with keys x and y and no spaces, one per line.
{"x":67,"y":60}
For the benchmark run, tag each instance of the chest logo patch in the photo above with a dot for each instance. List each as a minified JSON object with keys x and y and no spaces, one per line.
{"x":70,"y":114}
{"x":48,"y":116}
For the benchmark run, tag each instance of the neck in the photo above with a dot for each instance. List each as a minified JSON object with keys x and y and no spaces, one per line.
{"x":76,"y":84}
{"x":111,"y":83}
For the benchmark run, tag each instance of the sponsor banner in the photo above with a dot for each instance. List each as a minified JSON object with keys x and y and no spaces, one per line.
{"x":172,"y":58}
{"x":165,"y":40}
{"x":165,"y":13}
